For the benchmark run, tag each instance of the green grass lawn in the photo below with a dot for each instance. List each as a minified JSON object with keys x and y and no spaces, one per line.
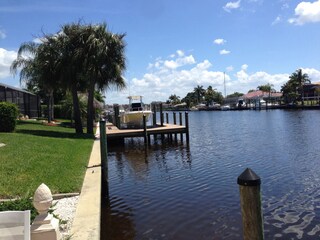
{"x":36,"y":154}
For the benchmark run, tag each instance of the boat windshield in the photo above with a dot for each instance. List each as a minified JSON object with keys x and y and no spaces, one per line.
{"x":136,"y":107}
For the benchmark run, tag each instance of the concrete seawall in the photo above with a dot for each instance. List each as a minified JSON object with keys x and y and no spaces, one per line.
{"x":86,"y":224}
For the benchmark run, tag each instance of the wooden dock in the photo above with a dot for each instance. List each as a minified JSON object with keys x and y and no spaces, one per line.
{"x":115,"y":132}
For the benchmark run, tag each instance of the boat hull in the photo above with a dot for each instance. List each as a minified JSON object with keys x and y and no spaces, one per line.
{"x":134,"y":118}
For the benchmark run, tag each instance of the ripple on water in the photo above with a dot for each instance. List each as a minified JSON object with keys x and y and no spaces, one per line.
{"x":175,"y":191}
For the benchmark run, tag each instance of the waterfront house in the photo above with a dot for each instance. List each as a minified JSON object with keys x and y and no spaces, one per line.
{"x":28,"y":103}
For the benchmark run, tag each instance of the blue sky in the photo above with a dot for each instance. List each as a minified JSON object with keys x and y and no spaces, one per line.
{"x":175,"y":45}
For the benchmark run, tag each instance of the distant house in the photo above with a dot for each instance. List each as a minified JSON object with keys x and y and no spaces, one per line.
{"x":261,"y":95}
{"x":311,"y":91}
{"x":28,"y":103}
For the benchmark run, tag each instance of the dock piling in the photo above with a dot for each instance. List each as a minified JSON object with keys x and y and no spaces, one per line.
{"x":145,"y":133}
{"x":187,"y":126}
{"x":175,"y":122}
{"x":180,"y":119}
{"x":250,"y":201}
{"x":103,"y":148}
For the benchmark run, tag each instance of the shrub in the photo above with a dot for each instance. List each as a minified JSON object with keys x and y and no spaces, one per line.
{"x":8,"y":116}
{"x":21,"y":204}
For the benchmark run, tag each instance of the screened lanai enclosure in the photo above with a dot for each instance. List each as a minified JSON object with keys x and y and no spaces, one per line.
{"x":28,"y":103}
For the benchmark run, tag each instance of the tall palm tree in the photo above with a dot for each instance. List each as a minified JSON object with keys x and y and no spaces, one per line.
{"x":37,"y":64}
{"x":104,"y":63}
{"x":71,"y":63}
{"x":199,"y":91}
{"x":293,"y":89}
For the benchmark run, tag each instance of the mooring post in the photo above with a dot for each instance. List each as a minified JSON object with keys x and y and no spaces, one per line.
{"x":161,"y":115}
{"x":154,"y":114}
{"x":116,"y":115}
{"x":103,"y":148}
{"x":187,"y":126}
{"x":180,"y":118}
{"x":145,"y":133}
{"x":167,"y":118}
{"x":175,"y":122}
{"x":250,"y":201}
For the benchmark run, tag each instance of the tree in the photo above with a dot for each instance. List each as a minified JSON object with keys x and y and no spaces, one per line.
{"x":199,"y":92}
{"x":293,"y":89}
{"x":174,"y":99}
{"x":235,"y":94}
{"x":104,"y":63}
{"x":209,"y":95}
{"x":38,"y":69}
{"x":266,"y":88}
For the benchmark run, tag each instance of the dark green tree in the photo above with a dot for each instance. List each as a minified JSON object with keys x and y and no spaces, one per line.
{"x":174,"y":99}
{"x":293,"y":89}
{"x":199,"y":92}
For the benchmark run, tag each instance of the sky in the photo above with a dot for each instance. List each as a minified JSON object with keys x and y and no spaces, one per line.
{"x":172,"y":46}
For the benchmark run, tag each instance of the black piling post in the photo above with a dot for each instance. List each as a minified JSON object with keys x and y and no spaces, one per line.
{"x":154,"y":115}
{"x":175,"y":122}
{"x":161,"y":115}
{"x":187,"y":126}
{"x":145,"y":133}
{"x":116,"y":115}
{"x":250,"y":201}
{"x":167,"y":118}
{"x":180,"y":118}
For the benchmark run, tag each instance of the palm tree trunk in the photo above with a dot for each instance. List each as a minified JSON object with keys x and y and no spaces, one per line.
{"x":90,"y":110}
{"x":76,"y":110}
{"x":52,"y":104}
{"x":48,"y":108}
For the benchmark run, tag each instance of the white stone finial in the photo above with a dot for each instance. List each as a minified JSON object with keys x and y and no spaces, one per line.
{"x":44,"y":226}
{"x":42,"y":199}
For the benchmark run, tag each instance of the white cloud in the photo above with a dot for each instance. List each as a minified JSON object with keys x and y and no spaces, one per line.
{"x":2,"y":34}
{"x":6,"y":59}
{"x":232,"y":5}
{"x":244,"y":67}
{"x":229,"y":69}
{"x":179,"y":62}
{"x":276,"y":20}
{"x":180,"y":53}
{"x":306,"y":12}
{"x":219,"y":41}
{"x":224,"y":52}
{"x":159,"y":82}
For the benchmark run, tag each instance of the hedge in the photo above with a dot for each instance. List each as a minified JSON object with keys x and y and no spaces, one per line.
{"x":8,"y":116}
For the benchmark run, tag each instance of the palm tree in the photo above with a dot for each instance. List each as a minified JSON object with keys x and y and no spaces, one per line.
{"x":293,"y":89}
{"x":199,"y":91}
{"x":37,"y":70}
{"x":71,"y":65}
{"x":104,"y":63}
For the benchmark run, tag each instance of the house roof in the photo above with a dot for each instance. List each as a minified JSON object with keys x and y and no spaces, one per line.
{"x":261,"y":94}
{"x":15,"y":88}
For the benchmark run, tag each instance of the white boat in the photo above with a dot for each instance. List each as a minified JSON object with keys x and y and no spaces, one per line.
{"x":225,"y":108}
{"x":133,"y":117}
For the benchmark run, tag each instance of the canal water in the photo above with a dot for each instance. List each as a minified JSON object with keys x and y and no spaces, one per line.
{"x":180,"y":191}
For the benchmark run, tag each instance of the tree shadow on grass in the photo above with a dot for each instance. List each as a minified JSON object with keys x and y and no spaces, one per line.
{"x":55,"y":134}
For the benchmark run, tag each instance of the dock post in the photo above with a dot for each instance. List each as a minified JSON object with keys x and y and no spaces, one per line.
{"x":250,"y":201}
{"x":187,"y":126}
{"x":154,"y":114}
{"x":167,"y":118}
{"x":161,"y":115}
{"x":180,"y":118}
{"x":175,"y":122}
{"x":103,"y":148}
{"x":145,"y":133}
{"x":116,"y":115}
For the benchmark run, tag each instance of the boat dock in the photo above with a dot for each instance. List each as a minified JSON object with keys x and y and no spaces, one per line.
{"x":115,"y":133}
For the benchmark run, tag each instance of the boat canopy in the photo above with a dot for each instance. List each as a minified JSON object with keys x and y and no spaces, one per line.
{"x":135,"y":97}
